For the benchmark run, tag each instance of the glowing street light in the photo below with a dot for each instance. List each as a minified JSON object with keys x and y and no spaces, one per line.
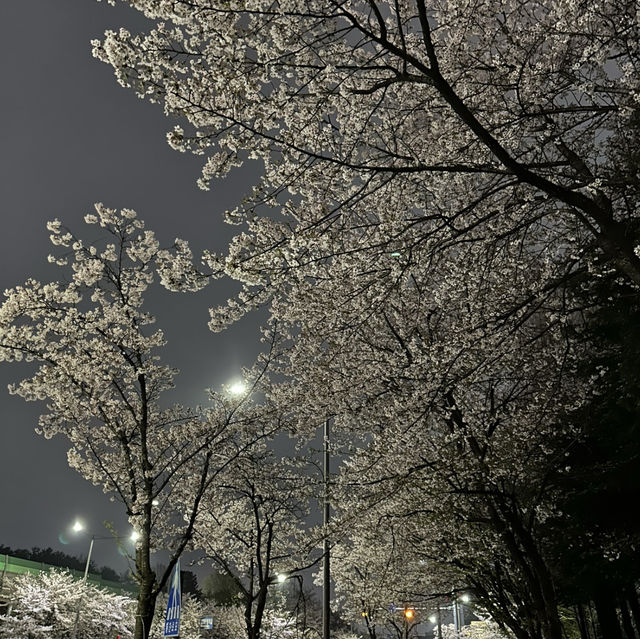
{"x":238,"y":388}
{"x":79,"y":527}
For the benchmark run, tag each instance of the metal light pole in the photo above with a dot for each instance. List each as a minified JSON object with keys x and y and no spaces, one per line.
{"x":86,"y":567}
{"x":326,"y":570}
{"x":79,"y":527}
{"x":74,"y":632}
{"x":454,"y":608}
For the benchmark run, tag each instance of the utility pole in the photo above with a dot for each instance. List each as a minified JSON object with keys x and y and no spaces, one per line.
{"x":326,"y":570}
{"x":456,"y":620}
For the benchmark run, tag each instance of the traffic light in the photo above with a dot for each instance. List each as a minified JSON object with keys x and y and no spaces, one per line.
{"x":409,"y":613}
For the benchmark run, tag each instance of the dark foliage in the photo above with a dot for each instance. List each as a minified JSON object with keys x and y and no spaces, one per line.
{"x":596,"y":535}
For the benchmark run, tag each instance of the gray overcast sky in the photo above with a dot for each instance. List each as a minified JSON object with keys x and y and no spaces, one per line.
{"x":71,"y":136}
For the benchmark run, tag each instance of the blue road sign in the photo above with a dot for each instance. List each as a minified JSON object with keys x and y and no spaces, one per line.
{"x":172,"y":616}
{"x":206,"y":623}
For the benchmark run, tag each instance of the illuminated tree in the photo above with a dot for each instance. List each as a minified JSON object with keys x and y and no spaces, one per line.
{"x":436,"y":176}
{"x":251,"y":526}
{"x":95,"y":349}
{"x":52,"y":604}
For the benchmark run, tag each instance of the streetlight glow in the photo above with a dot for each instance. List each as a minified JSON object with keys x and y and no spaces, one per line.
{"x":282,"y":578}
{"x":238,"y":388}
{"x":78,"y":526}
{"x":433,"y":619}
{"x":465,"y":598}
{"x":135,"y":535}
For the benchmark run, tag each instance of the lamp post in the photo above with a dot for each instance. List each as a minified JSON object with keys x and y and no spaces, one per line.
{"x":436,"y":620}
{"x":464,"y":599}
{"x":326,"y":570}
{"x":79,"y":527}
{"x":458,"y":612}
{"x":280,"y":579}
{"x":407,"y":617}
{"x":456,"y":619}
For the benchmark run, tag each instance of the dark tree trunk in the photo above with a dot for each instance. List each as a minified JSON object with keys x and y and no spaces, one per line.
{"x":146,"y":607}
{"x":582,"y":622}
{"x":607,"y":616}
{"x":260,"y":606}
{"x":507,"y":519}
{"x":371,"y":628}
{"x":527,"y":557}
{"x":248,"y":617}
{"x":147,"y":592}
{"x":593,"y":622}
{"x":626,"y":619}
{"x":632,"y":599}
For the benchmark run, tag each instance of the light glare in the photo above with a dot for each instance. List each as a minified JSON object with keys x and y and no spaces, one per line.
{"x":237,"y":388}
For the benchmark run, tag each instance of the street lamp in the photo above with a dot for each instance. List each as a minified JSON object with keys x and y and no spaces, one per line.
{"x":79,"y":527}
{"x":280,"y":579}
{"x":458,"y":612}
{"x":238,"y":388}
{"x":408,"y":615}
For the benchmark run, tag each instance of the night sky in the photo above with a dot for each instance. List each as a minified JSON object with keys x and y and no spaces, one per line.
{"x":71,"y":136}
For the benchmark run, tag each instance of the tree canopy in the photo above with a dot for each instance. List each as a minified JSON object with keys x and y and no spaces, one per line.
{"x":446,"y":221}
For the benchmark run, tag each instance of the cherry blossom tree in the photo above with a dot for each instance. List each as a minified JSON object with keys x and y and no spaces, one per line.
{"x":372,"y":587}
{"x":95,"y":349}
{"x":467,"y":121}
{"x":229,"y":623}
{"x":484,"y":629}
{"x":49,"y":604}
{"x":436,"y":177}
{"x":251,"y":527}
